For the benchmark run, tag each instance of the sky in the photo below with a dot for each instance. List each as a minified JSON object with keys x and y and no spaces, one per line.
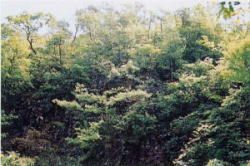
{"x":65,"y":9}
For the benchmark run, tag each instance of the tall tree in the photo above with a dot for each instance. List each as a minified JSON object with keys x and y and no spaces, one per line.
{"x":30,"y":25}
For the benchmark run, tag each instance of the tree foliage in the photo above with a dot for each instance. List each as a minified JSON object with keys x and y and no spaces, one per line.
{"x":128,"y":86}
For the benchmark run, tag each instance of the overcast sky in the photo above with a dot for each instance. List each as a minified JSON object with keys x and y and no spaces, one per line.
{"x":65,"y":9}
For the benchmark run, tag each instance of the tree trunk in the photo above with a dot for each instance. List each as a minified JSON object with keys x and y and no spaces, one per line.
{"x":30,"y":41}
{"x":31,"y":46}
{"x":60,"y":53}
{"x":75,"y":34}
{"x":161,"y":25}
{"x":149,"y":27}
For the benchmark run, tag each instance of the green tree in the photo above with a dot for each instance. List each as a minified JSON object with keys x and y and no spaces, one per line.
{"x":238,"y":61}
{"x":29,"y":25}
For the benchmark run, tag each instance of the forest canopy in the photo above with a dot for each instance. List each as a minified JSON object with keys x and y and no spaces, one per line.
{"x":126,"y":86}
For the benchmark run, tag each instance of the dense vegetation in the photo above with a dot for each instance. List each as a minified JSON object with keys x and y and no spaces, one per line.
{"x":126,"y":87}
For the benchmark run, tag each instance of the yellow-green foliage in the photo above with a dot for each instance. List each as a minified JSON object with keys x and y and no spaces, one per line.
{"x":15,"y":57}
{"x":216,"y":162}
{"x":89,"y":135}
{"x":114,"y":91}
{"x":238,"y":58}
{"x":205,"y":41}
{"x":145,"y":55}
{"x":14,"y":159}
{"x":200,"y":67}
{"x":73,"y":105}
{"x":128,"y":97}
{"x":89,"y":98}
